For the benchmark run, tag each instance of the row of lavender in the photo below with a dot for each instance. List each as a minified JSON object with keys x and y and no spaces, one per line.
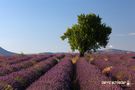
{"x":14,"y":60}
{"x":22,"y":65}
{"x":21,"y":79}
{"x":90,"y":77}
{"x":120,"y":69}
{"x":18,"y":59}
{"x":123,"y":59}
{"x":58,"y":78}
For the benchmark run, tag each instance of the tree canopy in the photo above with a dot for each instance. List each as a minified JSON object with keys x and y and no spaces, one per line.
{"x":89,"y":34}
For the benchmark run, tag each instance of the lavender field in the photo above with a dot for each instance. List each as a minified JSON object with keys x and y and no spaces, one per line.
{"x":99,"y":71}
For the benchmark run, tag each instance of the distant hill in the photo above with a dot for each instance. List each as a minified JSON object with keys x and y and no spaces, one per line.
{"x":114,"y":51}
{"x":4,"y":52}
{"x":46,"y":53}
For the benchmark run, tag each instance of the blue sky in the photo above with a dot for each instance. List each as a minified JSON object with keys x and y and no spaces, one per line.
{"x":33,"y":26}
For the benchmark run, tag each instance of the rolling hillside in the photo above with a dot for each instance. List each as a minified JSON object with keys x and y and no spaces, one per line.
{"x":4,"y":52}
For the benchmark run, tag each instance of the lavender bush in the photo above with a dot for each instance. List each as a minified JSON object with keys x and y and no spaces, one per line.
{"x":22,"y":65}
{"x":21,"y":79}
{"x":58,"y":78}
{"x":89,"y":77}
{"x":101,"y":64}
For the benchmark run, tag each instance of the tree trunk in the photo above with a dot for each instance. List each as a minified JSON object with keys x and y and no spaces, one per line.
{"x":81,"y":54}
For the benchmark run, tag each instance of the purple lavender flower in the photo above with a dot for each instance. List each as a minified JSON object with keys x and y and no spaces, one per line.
{"x":58,"y":78}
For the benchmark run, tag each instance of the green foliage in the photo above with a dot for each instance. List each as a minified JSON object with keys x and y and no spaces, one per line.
{"x":89,"y":34}
{"x":20,"y":80}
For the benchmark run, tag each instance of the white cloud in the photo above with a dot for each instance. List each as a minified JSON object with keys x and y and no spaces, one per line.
{"x":131,"y":34}
{"x":110,"y":46}
{"x":123,"y":35}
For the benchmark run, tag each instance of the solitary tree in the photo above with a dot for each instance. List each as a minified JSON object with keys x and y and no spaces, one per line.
{"x":89,"y":34}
